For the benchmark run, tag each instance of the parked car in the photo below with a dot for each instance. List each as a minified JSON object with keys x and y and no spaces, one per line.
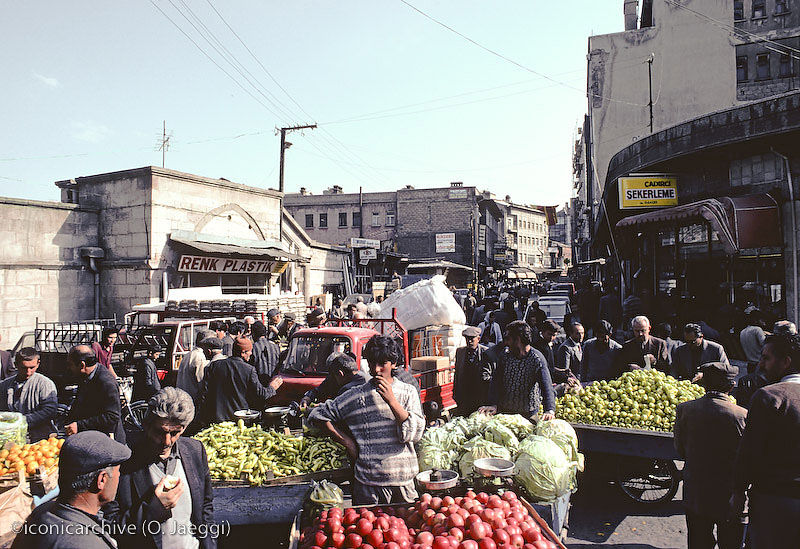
{"x":555,"y":307}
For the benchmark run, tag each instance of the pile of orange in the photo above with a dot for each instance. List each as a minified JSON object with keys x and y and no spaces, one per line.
{"x":30,"y":457}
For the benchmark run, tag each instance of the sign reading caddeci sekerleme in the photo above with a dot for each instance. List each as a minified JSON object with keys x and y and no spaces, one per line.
{"x":210,"y":264}
{"x":648,"y":191}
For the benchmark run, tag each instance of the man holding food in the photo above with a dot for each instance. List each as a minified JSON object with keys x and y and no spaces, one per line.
{"x":384,"y":419}
{"x":165,"y":497}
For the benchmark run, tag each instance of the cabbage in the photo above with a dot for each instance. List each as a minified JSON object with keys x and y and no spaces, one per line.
{"x":518,"y":424}
{"x":480,"y":448}
{"x":502,"y":435}
{"x":432,"y":456}
{"x":543,"y":469}
{"x":562,"y":433}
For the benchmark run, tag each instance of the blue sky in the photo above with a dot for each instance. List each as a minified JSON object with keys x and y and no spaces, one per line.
{"x":400,"y":100}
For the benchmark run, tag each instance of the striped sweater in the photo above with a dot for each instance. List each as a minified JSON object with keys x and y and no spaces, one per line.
{"x":386,"y":455}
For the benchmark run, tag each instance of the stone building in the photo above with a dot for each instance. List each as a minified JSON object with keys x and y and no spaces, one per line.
{"x":526,"y":233}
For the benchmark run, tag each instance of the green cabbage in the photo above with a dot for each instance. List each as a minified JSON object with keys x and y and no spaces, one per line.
{"x":502,"y":435}
{"x":480,"y":448}
{"x":562,"y":433}
{"x":518,"y":424}
{"x":543,"y":469}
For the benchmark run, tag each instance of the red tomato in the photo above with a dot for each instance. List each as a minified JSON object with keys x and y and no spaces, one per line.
{"x":353,"y":541}
{"x":333,"y":526}
{"x":320,"y":539}
{"x":487,"y":543}
{"x":501,"y":537}
{"x":470,"y":494}
{"x":517,"y":540}
{"x":464,"y":513}
{"x":337,"y":540}
{"x":425,"y":539}
{"x":455,"y":521}
{"x":508,"y":495}
{"x":447,"y":501}
{"x":483,"y":497}
{"x":531,"y":535}
{"x":382,"y":523}
{"x":363,"y":527}
{"x":436,"y":503}
{"x":375,"y":538}
{"x":472,"y":519}
{"x":468,"y":544}
{"x":457,"y":533}
{"x":441,"y":542}
{"x":477,"y":531}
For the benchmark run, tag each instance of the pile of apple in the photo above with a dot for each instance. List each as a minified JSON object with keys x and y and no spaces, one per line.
{"x":475,"y":521}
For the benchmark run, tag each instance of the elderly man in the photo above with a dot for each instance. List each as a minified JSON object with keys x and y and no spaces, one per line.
{"x":473,"y":373}
{"x":165,"y":497}
{"x":569,"y":357}
{"x":192,"y":368}
{"x":96,"y":406}
{"x":643,"y":351}
{"x":232,"y":384}
{"x":384,"y":419}
{"x":273,"y":323}
{"x":88,"y":474}
{"x":31,"y":394}
{"x":687,"y":359}
{"x":786,"y":327}
{"x":599,"y":354}
{"x":287,"y":328}
{"x":708,"y":431}
{"x":769,"y":454}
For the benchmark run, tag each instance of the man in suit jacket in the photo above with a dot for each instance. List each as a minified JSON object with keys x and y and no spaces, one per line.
{"x":707,"y":433}
{"x":643,"y":351}
{"x":165,"y":497}
{"x":769,"y":454}
{"x":96,"y":406}
{"x":544,"y":342}
{"x":687,"y":359}
{"x":569,"y":357}
{"x":474,"y":370}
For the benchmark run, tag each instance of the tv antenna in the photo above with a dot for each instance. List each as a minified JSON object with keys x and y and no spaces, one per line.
{"x":163,"y":144}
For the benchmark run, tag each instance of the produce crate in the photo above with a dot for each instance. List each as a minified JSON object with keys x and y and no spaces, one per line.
{"x":625,"y":442}
{"x":249,"y":505}
{"x":555,"y":515}
{"x":335,"y":475}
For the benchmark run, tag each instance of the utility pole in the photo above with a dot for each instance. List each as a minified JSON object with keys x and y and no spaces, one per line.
{"x":285,"y":145}
{"x":650,"y":81}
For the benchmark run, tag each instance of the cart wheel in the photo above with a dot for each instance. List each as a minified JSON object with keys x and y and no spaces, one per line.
{"x":133,"y":416}
{"x":648,"y":480}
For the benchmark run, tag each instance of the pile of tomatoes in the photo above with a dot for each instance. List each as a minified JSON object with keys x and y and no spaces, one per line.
{"x":474,"y":521}
{"x":30,"y":457}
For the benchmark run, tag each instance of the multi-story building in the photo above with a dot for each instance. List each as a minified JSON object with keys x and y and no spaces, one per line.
{"x":526,"y":235}
{"x":584,"y":196}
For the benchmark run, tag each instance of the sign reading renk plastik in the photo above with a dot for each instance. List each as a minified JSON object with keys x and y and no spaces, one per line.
{"x":648,"y":191}
{"x":223,"y":265}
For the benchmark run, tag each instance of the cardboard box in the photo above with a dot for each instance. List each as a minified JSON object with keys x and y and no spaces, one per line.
{"x":427,"y":363}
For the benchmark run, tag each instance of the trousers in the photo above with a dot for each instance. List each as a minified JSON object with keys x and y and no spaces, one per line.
{"x":700,"y":531}
{"x":365,"y":494}
{"x":774,"y":522}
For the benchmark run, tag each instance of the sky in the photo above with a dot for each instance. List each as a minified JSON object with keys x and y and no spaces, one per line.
{"x":398,"y":99}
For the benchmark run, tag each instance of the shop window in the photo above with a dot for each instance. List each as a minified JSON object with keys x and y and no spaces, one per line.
{"x":741,"y":69}
{"x":356,"y":219}
{"x":781,"y":7}
{"x":323,"y":221}
{"x":762,"y":66}
{"x":738,"y":10}
{"x":309,"y":221}
{"x":390,"y":219}
{"x":785,"y":67}
{"x":376,"y":219}
{"x":759,"y":9}
{"x":343,"y":219}
{"x":230,"y":283}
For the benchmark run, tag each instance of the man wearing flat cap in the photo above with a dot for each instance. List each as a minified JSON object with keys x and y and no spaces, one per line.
{"x":287,"y":328}
{"x":88,"y":475}
{"x":273,"y":322}
{"x":315,"y":318}
{"x":474,"y":369}
{"x":232,"y":384}
{"x":707,"y":435}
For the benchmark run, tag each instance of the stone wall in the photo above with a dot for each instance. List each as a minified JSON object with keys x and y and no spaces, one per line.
{"x":42,"y":273}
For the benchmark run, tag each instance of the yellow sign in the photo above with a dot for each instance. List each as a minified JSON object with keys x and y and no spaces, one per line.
{"x":648,"y":191}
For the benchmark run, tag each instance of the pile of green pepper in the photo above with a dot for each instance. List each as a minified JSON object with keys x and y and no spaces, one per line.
{"x":236,"y":452}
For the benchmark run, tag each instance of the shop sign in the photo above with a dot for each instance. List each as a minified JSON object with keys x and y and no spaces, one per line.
{"x":368,"y":253}
{"x":224,"y":265}
{"x":648,"y":191}
{"x":482,"y":238}
{"x":445,"y":243}
{"x":459,"y":194}
{"x":364,"y":243}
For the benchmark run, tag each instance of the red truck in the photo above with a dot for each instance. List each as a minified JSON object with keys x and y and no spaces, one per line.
{"x":304,"y":365}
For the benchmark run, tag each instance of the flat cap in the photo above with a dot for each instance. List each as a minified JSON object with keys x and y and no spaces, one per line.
{"x":212,"y":343}
{"x":273,"y":312}
{"x":471,"y":331}
{"x":719,"y":370}
{"x":289,"y":316}
{"x":89,"y":451}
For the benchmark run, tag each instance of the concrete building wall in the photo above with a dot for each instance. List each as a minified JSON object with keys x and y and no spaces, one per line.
{"x":530,"y":234}
{"x":42,"y":273}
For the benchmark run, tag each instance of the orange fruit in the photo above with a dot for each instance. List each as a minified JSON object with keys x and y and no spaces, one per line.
{"x":60,"y":442}
{"x":49,"y":462}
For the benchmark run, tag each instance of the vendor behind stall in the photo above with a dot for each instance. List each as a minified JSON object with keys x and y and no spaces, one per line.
{"x":385,"y":419}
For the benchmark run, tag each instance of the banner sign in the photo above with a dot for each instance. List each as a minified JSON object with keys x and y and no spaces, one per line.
{"x":368,"y":253}
{"x":364,"y":243}
{"x":224,"y":265}
{"x":648,"y":191}
{"x":445,"y":243}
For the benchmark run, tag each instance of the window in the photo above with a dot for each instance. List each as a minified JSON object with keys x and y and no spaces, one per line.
{"x":309,"y":221}
{"x":390,"y":219}
{"x":759,"y":9}
{"x":762,"y":66}
{"x":738,"y":10}
{"x":785,"y":68}
{"x":343,"y":219}
{"x":741,"y":69}
{"x":781,"y":7}
{"x":356,"y":219}
{"x":323,"y":221}
{"x":376,"y":219}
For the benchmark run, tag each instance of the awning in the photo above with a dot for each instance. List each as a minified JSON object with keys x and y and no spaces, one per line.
{"x":234,"y":246}
{"x":521,"y":274}
{"x":740,"y":222}
{"x":437,"y":265}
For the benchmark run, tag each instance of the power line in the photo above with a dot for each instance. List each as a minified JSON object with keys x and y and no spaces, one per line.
{"x":516,"y":63}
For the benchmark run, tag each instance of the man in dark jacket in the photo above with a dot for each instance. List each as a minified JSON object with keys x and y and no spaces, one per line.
{"x":544,"y":341}
{"x":769,"y":454}
{"x":687,"y":359}
{"x":569,"y":357}
{"x":88,"y":474}
{"x":145,"y":381}
{"x":474,"y":370}
{"x":266,"y":353}
{"x":165,"y":497}
{"x":232,"y":384}
{"x":96,"y":406}
{"x":643,"y":351}
{"x":707,"y":433}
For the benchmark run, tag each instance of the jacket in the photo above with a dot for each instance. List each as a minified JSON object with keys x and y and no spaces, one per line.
{"x":707,"y":434}
{"x":633,"y":352}
{"x":471,"y":386}
{"x":53,"y":518}
{"x":229,"y":385}
{"x":547,"y":350}
{"x":37,"y":401}
{"x":686,"y":363}
{"x":568,"y":361}
{"x":97,"y":407}
{"x":136,"y":503}
{"x":145,"y":382}
{"x":265,"y":359}
{"x":191,"y":372}
{"x":490,"y":333}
